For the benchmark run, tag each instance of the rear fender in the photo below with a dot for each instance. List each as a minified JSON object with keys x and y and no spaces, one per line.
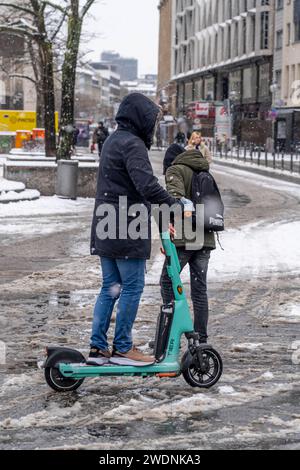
{"x":57,"y":355}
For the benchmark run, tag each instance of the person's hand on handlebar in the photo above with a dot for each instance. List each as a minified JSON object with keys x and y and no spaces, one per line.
{"x":188,"y":207}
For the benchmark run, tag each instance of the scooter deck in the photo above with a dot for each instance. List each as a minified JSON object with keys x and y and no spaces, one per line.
{"x":80,"y":371}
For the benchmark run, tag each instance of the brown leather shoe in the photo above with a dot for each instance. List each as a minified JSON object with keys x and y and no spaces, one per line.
{"x":134,"y":357}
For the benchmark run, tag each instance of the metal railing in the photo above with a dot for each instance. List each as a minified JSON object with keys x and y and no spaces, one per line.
{"x":259,"y":156}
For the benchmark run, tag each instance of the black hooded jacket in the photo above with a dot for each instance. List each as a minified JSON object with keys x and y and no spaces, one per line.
{"x":125,"y":170}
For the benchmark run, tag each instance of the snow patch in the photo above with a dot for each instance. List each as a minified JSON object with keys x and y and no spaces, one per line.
{"x":7,"y":185}
{"x":227,"y":390}
{"x":41,"y":418}
{"x":290,"y":312}
{"x":246,"y":347}
{"x":254,"y":250}
{"x":12,"y":196}
{"x":195,"y":404}
{"x":46,"y":206}
{"x":17,"y":381}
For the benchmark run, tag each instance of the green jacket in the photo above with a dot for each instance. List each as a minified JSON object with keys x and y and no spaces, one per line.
{"x":179,"y":184}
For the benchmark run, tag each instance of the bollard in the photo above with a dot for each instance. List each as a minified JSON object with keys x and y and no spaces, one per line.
{"x":67,"y":178}
{"x":266,"y":158}
{"x":292,"y":162}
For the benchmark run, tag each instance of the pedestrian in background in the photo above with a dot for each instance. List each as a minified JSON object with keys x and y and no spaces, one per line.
{"x":196,"y":143}
{"x":99,"y":137}
{"x":172,"y":152}
{"x":76,"y":133}
{"x":180,"y":138}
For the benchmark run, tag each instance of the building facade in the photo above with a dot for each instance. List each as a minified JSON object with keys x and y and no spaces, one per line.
{"x":147,"y":85}
{"x":126,"y":67}
{"x":110,"y":87}
{"x":223,"y":50}
{"x":11,"y":86}
{"x":286,"y":78}
{"x":166,"y":89}
{"x":87,"y":93}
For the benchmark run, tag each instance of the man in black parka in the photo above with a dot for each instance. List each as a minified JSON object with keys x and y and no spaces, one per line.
{"x":125,"y":171}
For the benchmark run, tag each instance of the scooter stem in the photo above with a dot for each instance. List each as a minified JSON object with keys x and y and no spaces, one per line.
{"x":173,"y":265}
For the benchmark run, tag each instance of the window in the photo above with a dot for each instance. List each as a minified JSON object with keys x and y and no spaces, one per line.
{"x":297,"y":20}
{"x":279,"y":4}
{"x":249,"y":83}
{"x":278,"y":75}
{"x":264,"y":33}
{"x":279,"y":39}
{"x":288,"y":34}
{"x":264,"y":80}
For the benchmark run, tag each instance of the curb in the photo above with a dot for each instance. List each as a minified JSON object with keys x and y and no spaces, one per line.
{"x":260,"y":171}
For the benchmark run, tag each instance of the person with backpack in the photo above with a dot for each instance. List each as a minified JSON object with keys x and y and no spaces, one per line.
{"x":188,"y":176}
{"x":100,"y":136}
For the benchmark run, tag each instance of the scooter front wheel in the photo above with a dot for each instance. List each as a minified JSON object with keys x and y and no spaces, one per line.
{"x":55,"y":379}
{"x":205,"y":375}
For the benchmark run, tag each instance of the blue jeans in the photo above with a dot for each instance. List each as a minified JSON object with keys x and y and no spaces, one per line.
{"x":123,"y":279}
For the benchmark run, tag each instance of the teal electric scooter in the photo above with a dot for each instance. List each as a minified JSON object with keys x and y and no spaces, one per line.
{"x":201,"y":365}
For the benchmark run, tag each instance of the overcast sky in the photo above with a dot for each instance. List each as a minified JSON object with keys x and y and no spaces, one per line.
{"x":129,"y":27}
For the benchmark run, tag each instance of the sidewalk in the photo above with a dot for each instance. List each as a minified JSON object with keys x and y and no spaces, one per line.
{"x":283,"y":175}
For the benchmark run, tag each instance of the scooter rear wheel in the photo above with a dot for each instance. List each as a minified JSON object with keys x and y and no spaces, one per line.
{"x":206,"y":378}
{"x":56,"y":380}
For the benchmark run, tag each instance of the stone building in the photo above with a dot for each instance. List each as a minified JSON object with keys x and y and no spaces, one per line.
{"x":126,"y":67}
{"x":286,"y":78}
{"x":244,"y":53}
{"x":223,"y":50}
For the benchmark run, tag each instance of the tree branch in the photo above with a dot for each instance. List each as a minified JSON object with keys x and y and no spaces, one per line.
{"x":55,"y":6}
{"x":20,"y":75}
{"x":53,"y":36}
{"x":86,"y":8}
{"x":17,"y":31}
{"x":18,"y":7}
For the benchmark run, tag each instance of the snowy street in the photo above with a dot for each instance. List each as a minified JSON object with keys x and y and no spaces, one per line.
{"x":48,"y":286}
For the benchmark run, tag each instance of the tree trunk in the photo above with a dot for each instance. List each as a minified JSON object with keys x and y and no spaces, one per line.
{"x":68,"y":87}
{"x":40,"y":109}
{"x":49,"y":99}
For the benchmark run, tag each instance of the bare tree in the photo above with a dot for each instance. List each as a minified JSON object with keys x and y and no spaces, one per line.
{"x":76,"y":16}
{"x":31,"y":23}
{"x":42,"y":23}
